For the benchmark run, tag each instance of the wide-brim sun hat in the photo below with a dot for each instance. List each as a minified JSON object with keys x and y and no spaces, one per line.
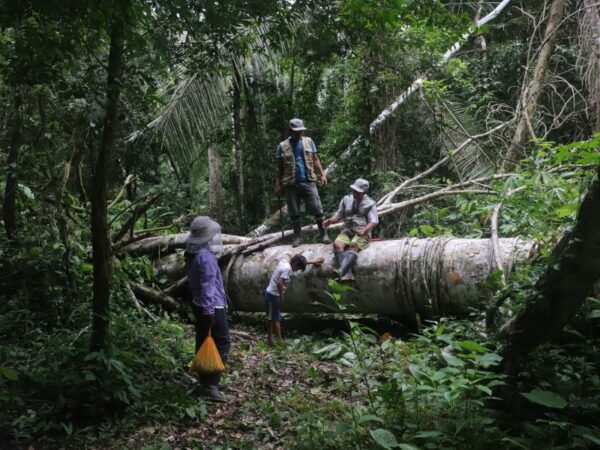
{"x":297,"y":125}
{"x":360,"y":185}
{"x":202,"y":230}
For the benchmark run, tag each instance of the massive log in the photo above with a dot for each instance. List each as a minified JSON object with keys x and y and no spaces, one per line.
{"x":405,"y":277}
{"x":157,"y":245}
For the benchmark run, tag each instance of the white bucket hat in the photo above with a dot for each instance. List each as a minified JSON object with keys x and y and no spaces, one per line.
{"x":297,"y":125}
{"x":360,"y":185}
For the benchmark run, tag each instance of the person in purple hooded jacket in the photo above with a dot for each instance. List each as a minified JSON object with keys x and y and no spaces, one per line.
{"x":208,"y":295}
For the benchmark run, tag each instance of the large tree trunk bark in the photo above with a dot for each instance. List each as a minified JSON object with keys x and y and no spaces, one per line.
{"x":100,"y":239}
{"x":564,"y":286}
{"x":531,"y":93}
{"x":9,"y":207}
{"x":215,"y":188}
{"x":237,"y":142}
{"x":589,"y":58}
{"x":405,"y":277}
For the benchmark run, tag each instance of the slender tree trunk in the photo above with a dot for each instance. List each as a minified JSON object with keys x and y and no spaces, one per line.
{"x":590,"y":56}
{"x":292,"y":86}
{"x":530,"y":96}
{"x":237,"y":142}
{"x":9,"y":207}
{"x":100,"y":239}
{"x":215,"y":188}
{"x":562,"y":289}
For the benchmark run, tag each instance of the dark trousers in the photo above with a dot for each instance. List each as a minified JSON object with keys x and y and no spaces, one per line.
{"x":220,"y":333}
{"x":303,"y":192}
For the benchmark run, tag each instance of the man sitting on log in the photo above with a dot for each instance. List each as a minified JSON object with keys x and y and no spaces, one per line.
{"x":359,"y":213}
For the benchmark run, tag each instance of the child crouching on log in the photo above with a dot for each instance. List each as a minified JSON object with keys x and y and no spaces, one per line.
{"x":275,"y":292}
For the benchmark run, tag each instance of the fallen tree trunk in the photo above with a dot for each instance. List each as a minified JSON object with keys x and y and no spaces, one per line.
{"x":157,"y":245}
{"x":404,"y":277}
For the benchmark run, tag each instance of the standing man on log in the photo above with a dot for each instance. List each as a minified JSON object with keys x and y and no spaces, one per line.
{"x":208,"y":295}
{"x":359,"y":213}
{"x":295,"y":175}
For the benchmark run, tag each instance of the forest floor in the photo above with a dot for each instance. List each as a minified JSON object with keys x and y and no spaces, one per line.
{"x":265,"y":388}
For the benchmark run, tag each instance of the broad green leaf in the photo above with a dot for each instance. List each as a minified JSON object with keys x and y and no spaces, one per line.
{"x":427,"y":230}
{"x":407,"y":447}
{"x":370,"y":418}
{"x":9,"y":374}
{"x":567,"y":210}
{"x":440,"y":330}
{"x":429,"y":434}
{"x":384,"y":438}
{"x":452,"y":360}
{"x":595,"y":314}
{"x":545,"y":398}
{"x":591,"y":438}
{"x":473,"y":346}
{"x":485,"y":389}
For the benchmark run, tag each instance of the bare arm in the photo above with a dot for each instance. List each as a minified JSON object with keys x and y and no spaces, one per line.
{"x":333,"y":219}
{"x":366,"y":229}
{"x":281,"y":289}
{"x":319,"y":169}
{"x":317,"y":261}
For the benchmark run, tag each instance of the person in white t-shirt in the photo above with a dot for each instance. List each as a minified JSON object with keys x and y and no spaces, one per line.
{"x":275,"y":292}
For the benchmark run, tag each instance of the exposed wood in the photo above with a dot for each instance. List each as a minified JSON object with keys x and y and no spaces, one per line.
{"x":139,"y":210}
{"x":564,"y":286}
{"x":152,"y":296}
{"x":136,"y":302}
{"x":387,"y":199}
{"x":128,"y":180}
{"x":497,"y":262}
{"x":432,"y":277}
{"x":161,"y":245}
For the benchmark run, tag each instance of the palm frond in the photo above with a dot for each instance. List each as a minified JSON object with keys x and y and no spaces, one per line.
{"x":195,"y":107}
{"x":201,"y":101}
{"x":475,"y":159}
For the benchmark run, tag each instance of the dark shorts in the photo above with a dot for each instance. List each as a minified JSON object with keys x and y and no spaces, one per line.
{"x":305,"y":192}
{"x":272,"y":306}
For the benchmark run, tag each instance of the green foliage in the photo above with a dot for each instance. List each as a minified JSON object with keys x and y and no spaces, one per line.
{"x":545,"y":398}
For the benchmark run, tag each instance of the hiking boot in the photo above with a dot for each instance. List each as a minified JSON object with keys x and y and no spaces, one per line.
{"x":325,"y":239}
{"x":348,"y":261}
{"x":339,"y":257}
{"x":297,"y":233}
{"x":213,"y":393}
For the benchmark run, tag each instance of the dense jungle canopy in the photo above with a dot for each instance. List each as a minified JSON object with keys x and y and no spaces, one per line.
{"x":474,"y":319}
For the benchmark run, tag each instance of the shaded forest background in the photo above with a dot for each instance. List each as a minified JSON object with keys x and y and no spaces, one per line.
{"x":124,"y":119}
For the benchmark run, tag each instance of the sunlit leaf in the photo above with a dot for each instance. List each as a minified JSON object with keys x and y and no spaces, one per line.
{"x":545,"y":398}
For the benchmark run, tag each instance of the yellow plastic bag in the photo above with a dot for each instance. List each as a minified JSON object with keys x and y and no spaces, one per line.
{"x":207,"y":360}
